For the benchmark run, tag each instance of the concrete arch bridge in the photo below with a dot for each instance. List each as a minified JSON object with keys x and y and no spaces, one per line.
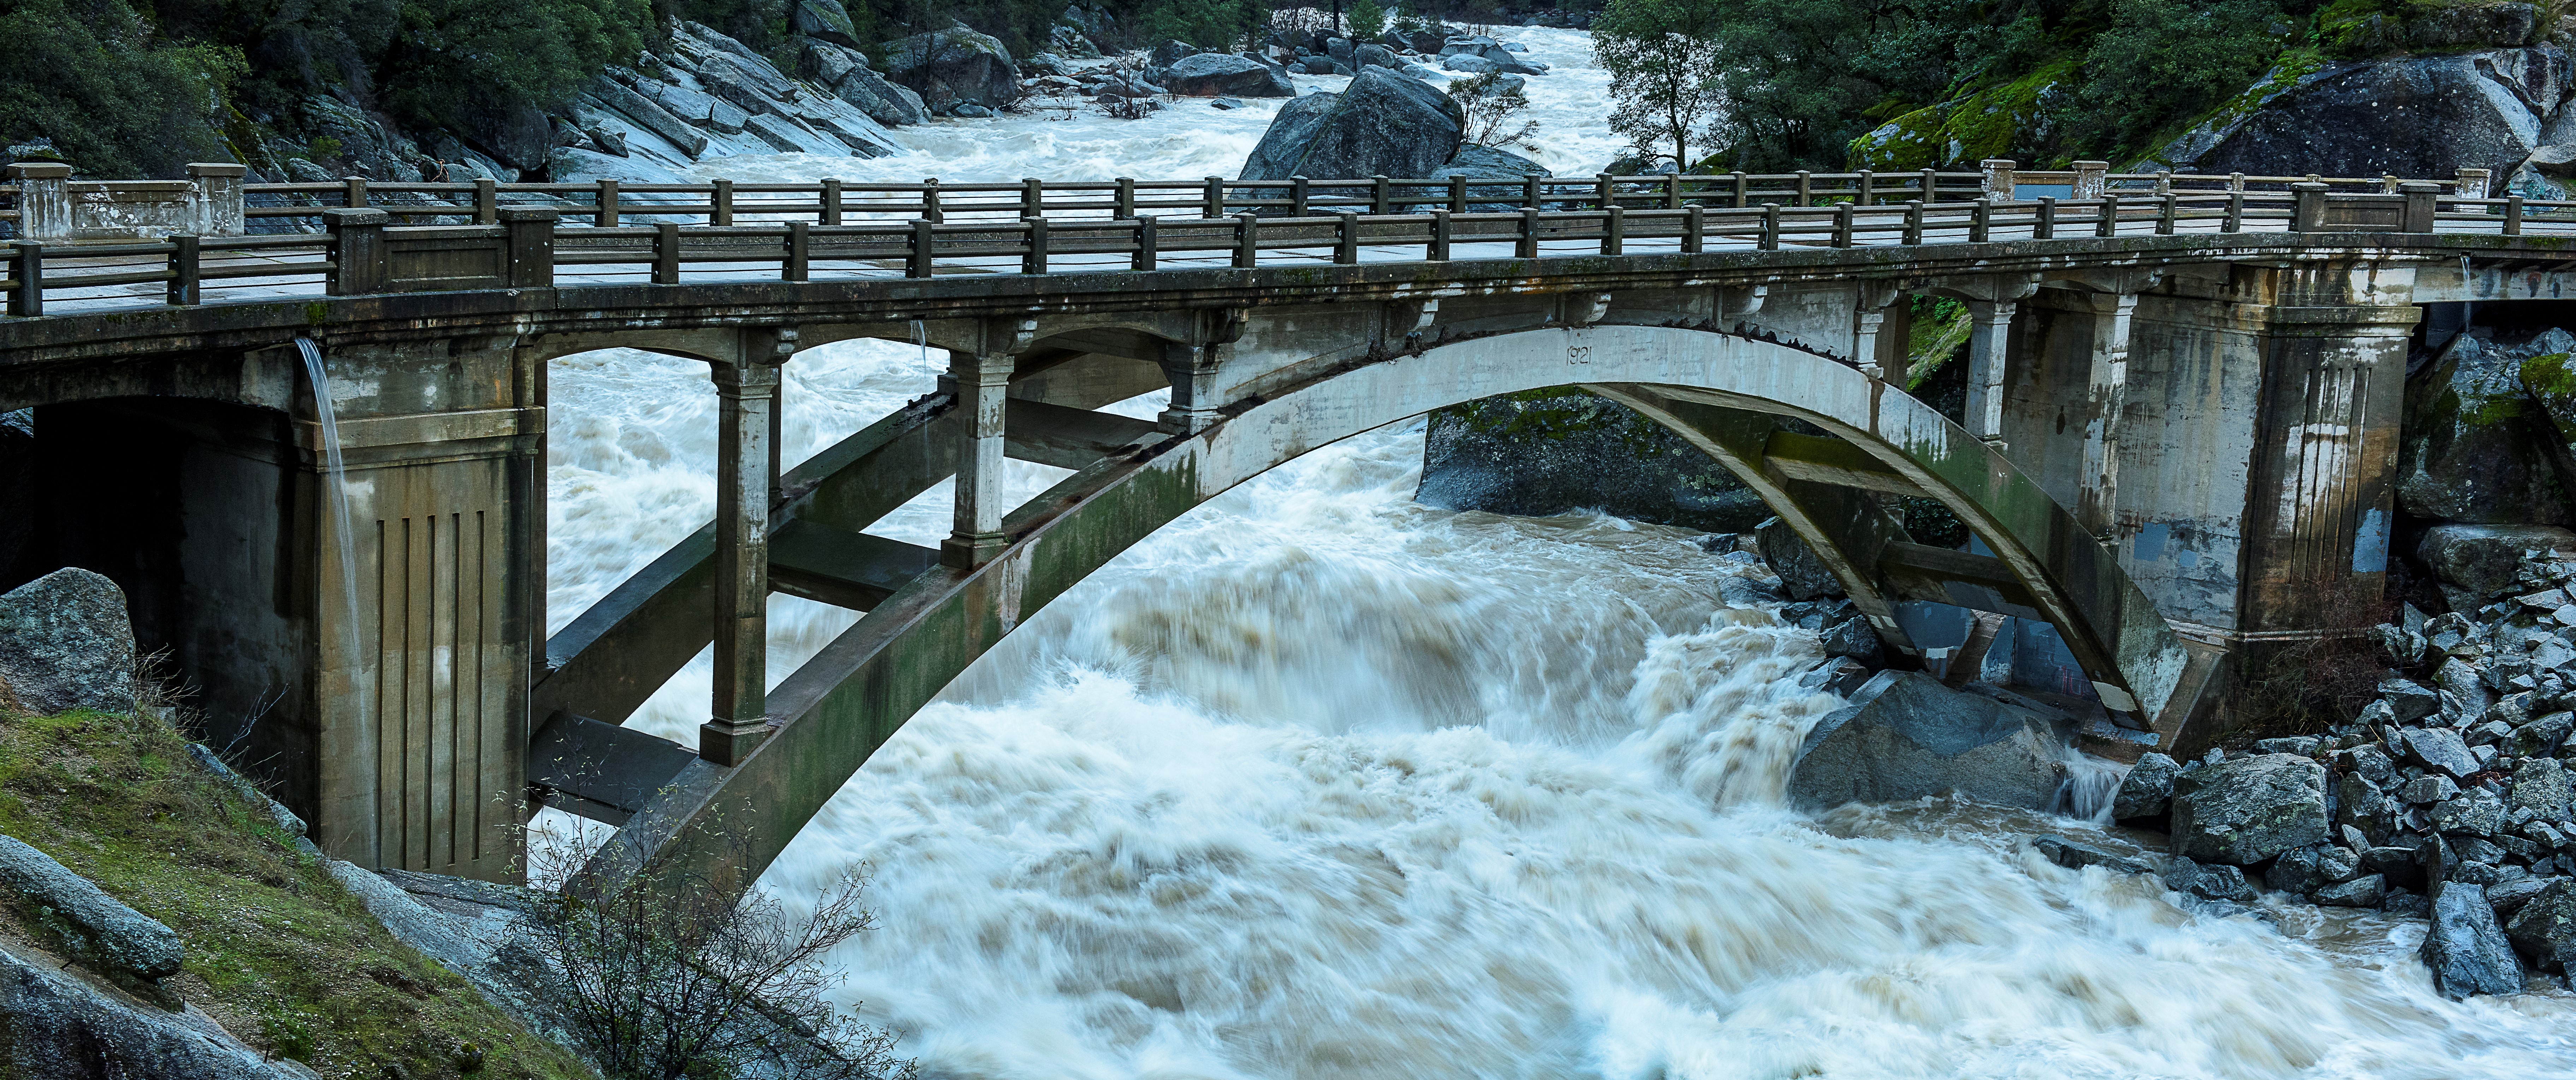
{"x":2179,"y":444}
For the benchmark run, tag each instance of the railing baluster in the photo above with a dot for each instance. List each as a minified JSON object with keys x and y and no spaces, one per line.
{"x":1614,"y":230}
{"x":28,"y":299}
{"x":1215,"y":199}
{"x":922,"y":241}
{"x":1247,"y":240}
{"x":184,"y":269}
{"x":1525,"y":246}
{"x":1770,"y":227}
{"x":930,"y":208}
{"x":1296,"y":196}
{"x":1035,"y":262}
{"x":1913,"y":221}
{"x":799,"y":253}
{"x":487,"y":201}
{"x":1694,"y":229}
{"x":666,"y":253}
{"x":1346,"y":238}
{"x":611,"y":215}
{"x":2513,"y":215}
{"x":1381,"y":195}
{"x":1438,"y":249}
{"x":1147,"y":244}
{"x":830,"y":216}
{"x":1126,"y":199}
{"x":2107,"y":219}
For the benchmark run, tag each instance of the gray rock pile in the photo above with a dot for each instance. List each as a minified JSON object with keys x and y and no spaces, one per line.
{"x":2451,"y":795}
{"x":712,"y":96}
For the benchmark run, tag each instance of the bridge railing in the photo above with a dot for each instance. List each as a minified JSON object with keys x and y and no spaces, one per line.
{"x":772,"y":232}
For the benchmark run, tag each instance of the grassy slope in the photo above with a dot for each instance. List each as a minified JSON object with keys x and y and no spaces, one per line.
{"x":277,"y":951}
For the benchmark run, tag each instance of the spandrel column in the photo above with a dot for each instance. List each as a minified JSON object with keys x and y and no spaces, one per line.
{"x":747,"y":400}
{"x":983,"y":383}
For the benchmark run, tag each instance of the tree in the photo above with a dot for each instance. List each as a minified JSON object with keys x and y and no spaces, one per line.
{"x":665,"y":978}
{"x":1493,"y":115}
{"x":1367,"y":20}
{"x":1662,"y":56}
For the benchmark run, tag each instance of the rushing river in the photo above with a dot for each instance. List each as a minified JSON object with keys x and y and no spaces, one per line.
{"x":1320,"y":783}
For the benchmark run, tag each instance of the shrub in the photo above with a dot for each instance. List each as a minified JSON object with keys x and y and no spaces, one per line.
{"x":2164,"y":61}
{"x":116,"y":103}
{"x":452,"y":56}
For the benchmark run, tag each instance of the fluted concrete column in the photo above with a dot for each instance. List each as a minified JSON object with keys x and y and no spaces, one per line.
{"x":983,"y":383}
{"x":747,"y":394}
{"x":1988,"y":336}
{"x":2098,"y":502}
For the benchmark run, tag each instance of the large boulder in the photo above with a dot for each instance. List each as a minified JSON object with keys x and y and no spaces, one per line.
{"x":2475,"y":563}
{"x":1802,"y":575}
{"x":2468,"y":952}
{"x":1906,"y":736}
{"x":65,"y":643}
{"x":846,"y":74}
{"x":2245,"y":810}
{"x":2411,"y":116}
{"x":1556,"y":451}
{"x":2544,"y":927}
{"x":2475,"y":448}
{"x":2147,"y":790}
{"x":1383,"y":125}
{"x":1222,"y":75}
{"x":954,"y":67}
{"x":63,"y":1028}
{"x":130,"y":947}
{"x":824,"y":19}
{"x":1487,"y":163}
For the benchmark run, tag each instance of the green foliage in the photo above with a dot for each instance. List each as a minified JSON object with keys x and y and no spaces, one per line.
{"x":1365,"y":19}
{"x":1663,"y":57}
{"x":454,"y":57}
{"x":116,"y":102}
{"x":2167,"y":60}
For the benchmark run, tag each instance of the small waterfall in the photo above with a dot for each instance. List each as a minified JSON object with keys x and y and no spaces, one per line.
{"x":2467,"y":308}
{"x":2092,"y":785}
{"x":338,"y":487}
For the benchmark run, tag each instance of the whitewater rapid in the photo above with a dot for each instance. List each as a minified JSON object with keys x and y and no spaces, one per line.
{"x":1318,"y":782}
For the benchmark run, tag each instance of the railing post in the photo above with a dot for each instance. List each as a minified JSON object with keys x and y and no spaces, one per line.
{"x":184,"y":269}
{"x":2236,"y":181}
{"x":1743,"y":188}
{"x":722,"y":197}
{"x":2473,"y":184}
{"x":27,"y":268}
{"x":1770,"y":227}
{"x":1672,"y":191}
{"x":1694,"y":230}
{"x":1297,"y":196}
{"x":2513,"y":215}
{"x":1215,"y":199}
{"x":2235,"y":220}
{"x":922,"y":241}
{"x":1868,"y":196}
{"x":1147,"y":244}
{"x":1247,"y":240}
{"x":666,"y":253}
{"x":215,"y":207}
{"x":1603,"y":196}
{"x":830,"y":214}
{"x":746,"y":394}
{"x":1458,"y":194}
{"x":1381,"y":195}
{"x":930,"y":210}
{"x":1913,"y":221}
{"x":1614,"y":230}
{"x":2168,"y":214}
{"x":1806,"y":189}
{"x":1032,"y":197}
{"x":1529,"y":192}
{"x":1438,"y":249}
{"x":357,"y":250}
{"x":2091,"y":180}
{"x":1346,"y":238}
{"x":2308,"y":211}
{"x":2423,"y":203}
{"x":44,"y":200}
{"x":983,"y":384}
{"x":1842,"y":225}
{"x":1981,"y":220}
{"x":1035,"y":261}
{"x":355,"y":193}
{"x":1931,"y":186}
{"x":611,"y":214}
{"x":800,"y":253}
{"x":1124,"y":199}
{"x":2388,"y":183}
{"x":2044,"y":227}
{"x":1999,"y":179}
{"x":531,"y":236}
{"x":2109,"y":224}
{"x":1525,"y":246}
{"x":487,"y":200}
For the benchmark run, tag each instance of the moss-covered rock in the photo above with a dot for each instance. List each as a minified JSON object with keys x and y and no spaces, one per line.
{"x":2477,"y":448}
{"x":2008,"y":120}
{"x":1557,"y":451}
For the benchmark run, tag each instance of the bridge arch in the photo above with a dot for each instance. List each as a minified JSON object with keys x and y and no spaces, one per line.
{"x":1718,"y":390}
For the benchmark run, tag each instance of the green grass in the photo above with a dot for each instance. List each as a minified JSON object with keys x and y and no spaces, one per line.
{"x":278,"y":952}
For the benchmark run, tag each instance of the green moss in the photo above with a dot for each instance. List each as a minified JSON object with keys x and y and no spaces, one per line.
{"x":1557,"y":413}
{"x":2548,"y":375}
{"x":1997,"y":122}
{"x":1940,"y":331}
{"x":278,"y":952}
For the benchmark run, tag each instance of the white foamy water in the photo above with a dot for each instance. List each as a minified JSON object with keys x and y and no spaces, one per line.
{"x":1317,"y":782}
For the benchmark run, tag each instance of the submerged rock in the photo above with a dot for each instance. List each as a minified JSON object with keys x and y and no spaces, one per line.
{"x":1213,"y":74}
{"x":1906,"y":736}
{"x":2075,"y":855}
{"x":2208,"y":882}
{"x":2245,"y":810}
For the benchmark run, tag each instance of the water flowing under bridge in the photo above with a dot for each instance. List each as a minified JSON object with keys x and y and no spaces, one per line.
{"x":2179,"y":442}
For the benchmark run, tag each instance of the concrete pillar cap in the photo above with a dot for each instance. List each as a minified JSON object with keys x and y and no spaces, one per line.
{"x":217,"y":168}
{"x":527,"y":213}
{"x":338,"y":216}
{"x":40,"y":170}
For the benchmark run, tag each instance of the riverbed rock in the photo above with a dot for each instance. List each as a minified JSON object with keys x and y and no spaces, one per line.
{"x":1214,"y":74}
{"x":2208,"y":882}
{"x":1477,"y":162}
{"x":1906,"y":736}
{"x":1383,"y":125}
{"x":2543,"y":926}
{"x":1558,"y":451}
{"x":1802,"y":575}
{"x":2474,"y":448}
{"x":2245,"y":810}
{"x":954,"y":67}
{"x":2545,"y":788}
{"x":95,"y":928}
{"x":846,"y":73}
{"x":2366,"y":891}
{"x":2076,"y":855}
{"x":2304,"y":870}
{"x":65,"y":643}
{"x":2466,"y":949}
{"x":2147,"y":790}
{"x":2482,"y":560}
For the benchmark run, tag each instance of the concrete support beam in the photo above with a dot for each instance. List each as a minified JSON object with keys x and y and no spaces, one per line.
{"x":983,"y":382}
{"x":746,"y":472}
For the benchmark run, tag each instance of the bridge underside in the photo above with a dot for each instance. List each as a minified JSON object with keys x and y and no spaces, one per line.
{"x":2165,"y":462}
